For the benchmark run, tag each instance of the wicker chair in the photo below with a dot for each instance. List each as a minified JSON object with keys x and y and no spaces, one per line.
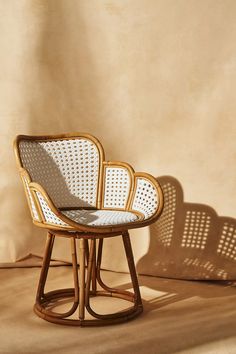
{"x":74,"y":193}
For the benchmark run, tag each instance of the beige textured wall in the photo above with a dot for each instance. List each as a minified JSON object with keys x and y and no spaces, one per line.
{"x":154,"y":80}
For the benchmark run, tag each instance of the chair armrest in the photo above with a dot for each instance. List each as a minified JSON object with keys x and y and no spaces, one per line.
{"x":147,"y":197}
{"x":46,"y":209}
{"x":30,"y":198}
{"x":38,"y":200}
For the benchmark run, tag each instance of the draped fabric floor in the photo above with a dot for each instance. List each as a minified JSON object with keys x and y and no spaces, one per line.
{"x":187,"y":317}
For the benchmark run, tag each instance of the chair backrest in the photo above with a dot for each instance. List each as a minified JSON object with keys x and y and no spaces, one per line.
{"x":67,"y":166}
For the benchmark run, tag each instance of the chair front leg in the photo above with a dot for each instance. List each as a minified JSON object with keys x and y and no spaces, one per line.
{"x":45,"y":266}
{"x":82,"y":251}
{"x":132,"y":270}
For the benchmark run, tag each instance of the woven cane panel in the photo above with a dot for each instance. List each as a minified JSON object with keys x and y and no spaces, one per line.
{"x":145,"y":198}
{"x":100,"y":217}
{"x":117,"y":186}
{"x":227,"y":243}
{"x":49,"y":216}
{"x":33,"y":207}
{"x":67,"y":169}
{"x":196,"y":229}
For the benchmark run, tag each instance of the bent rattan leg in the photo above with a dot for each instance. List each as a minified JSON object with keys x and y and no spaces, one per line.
{"x":126,"y":295}
{"x":82,"y":278}
{"x":98,"y":275}
{"x":132,"y":270}
{"x":42,"y":299}
{"x":45,"y":266}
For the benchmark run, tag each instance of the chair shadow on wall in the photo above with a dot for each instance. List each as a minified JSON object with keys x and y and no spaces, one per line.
{"x":189,"y":240}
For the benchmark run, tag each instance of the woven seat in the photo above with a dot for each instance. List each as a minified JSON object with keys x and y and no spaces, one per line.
{"x":74,"y":193}
{"x":100,"y":217}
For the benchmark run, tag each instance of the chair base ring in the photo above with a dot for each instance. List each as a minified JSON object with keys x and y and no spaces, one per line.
{"x":42,"y":311}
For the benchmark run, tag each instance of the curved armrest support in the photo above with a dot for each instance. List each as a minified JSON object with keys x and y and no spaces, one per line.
{"x":31,"y":202}
{"x":43,"y":211}
{"x":147,"y":197}
{"x":50,"y":215}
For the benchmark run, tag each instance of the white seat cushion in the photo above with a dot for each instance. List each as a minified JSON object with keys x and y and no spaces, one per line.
{"x":100,"y":217}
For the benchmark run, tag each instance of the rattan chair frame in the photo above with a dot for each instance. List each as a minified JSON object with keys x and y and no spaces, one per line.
{"x":90,"y":244}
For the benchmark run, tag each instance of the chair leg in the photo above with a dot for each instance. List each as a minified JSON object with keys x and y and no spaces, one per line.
{"x":126,"y":295}
{"x":94,"y":270}
{"x":42,"y":299}
{"x":82,"y":278}
{"x":45,"y":266}
{"x":130,"y":259}
{"x":132,"y":269}
{"x":90,"y":272}
{"x":75,"y":270}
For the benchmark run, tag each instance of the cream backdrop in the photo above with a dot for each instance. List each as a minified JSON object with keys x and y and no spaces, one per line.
{"x":154,"y":80}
